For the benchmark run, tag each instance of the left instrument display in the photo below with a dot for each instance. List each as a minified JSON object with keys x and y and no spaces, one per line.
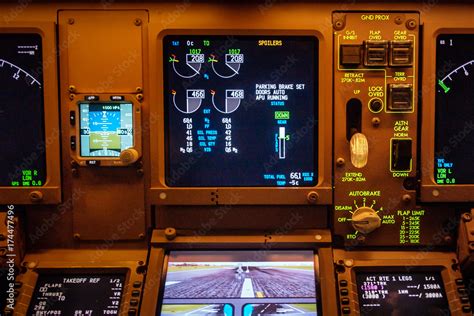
{"x":21,"y":111}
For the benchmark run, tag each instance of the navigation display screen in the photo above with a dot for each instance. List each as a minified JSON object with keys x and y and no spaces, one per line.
{"x":454,"y":134}
{"x":419,"y":293}
{"x":241,"y":110}
{"x":245,"y":283}
{"x":106,"y":128}
{"x":22,"y":139}
{"x":69,"y":293}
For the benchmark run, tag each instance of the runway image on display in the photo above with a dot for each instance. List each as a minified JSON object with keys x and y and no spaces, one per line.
{"x":231,"y":283}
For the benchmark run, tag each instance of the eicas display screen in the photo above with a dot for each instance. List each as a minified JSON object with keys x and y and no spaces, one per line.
{"x":225,"y":283}
{"x":22,"y":139}
{"x":69,"y":293}
{"x":106,"y":128}
{"x":241,"y":110}
{"x":454,"y":138}
{"x":419,"y":293}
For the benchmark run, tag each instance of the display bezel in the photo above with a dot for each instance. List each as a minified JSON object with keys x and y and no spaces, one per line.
{"x":50,"y":191}
{"x":431,"y":191}
{"x":237,"y":313}
{"x":105,"y":161}
{"x":163,"y":194}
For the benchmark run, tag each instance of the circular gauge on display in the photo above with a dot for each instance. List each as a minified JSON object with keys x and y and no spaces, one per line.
{"x":22,"y":139}
{"x":454,"y":135}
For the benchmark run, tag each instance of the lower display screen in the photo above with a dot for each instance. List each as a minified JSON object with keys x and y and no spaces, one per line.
{"x":69,"y":293}
{"x":240,"y":283}
{"x":419,"y":293}
{"x":106,"y":128}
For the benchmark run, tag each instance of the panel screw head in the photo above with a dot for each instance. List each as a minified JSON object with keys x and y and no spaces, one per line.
{"x":170,"y":233}
{"x":139,"y":97}
{"x":398,"y":19}
{"x":138,"y":22}
{"x":139,"y":89}
{"x":340,"y":162}
{"x":466,"y":217}
{"x":312,"y":197}
{"x":411,"y":24}
{"x":77,"y":236}
{"x":406,"y":198}
{"x":36,"y":196}
{"x":339,"y":24}
{"x":375,"y":122}
{"x":70,"y":21}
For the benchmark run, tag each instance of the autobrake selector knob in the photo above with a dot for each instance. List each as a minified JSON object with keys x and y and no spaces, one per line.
{"x":129,"y":156}
{"x":365,"y":220}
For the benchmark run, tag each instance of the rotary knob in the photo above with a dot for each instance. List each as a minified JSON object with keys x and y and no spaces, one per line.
{"x":129,"y":156}
{"x":365,"y":220}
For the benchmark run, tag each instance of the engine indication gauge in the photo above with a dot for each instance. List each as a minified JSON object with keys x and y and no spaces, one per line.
{"x":454,"y":139}
{"x":21,"y":111}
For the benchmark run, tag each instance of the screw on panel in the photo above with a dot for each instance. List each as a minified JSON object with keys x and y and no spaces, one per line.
{"x":170,"y":233}
{"x":375,"y":122}
{"x":348,"y":262}
{"x":471,"y":246}
{"x":72,"y":96}
{"x":36,"y":196}
{"x":340,"y":162}
{"x":141,"y":236}
{"x":313,"y":197}
{"x":398,"y":19}
{"x":139,"y":90}
{"x":138,"y":22}
{"x":466,"y":217}
{"x":72,"y":88}
{"x":339,"y":24}
{"x":139,"y":97}
{"x":140,"y":172}
{"x":411,"y":24}
{"x":406,"y":198}
{"x":77,"y":236}
{"x":70,"y":21}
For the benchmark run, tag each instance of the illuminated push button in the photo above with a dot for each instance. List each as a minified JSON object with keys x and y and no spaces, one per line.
{"x":466,"y":309}
{"x":135,"y":293}
{"x":343,"y":283}
{"x":129,"y":156}
{"x":345,"y":301}
{"x":344,"y":292}
{"x":459,"y":282}
{"x":359,"y":150}
{"x":137,"y":284}
{"x":346,"y":310}
{"x":350,"y":55}
{"x":132,"y":311}
{"x":464,"y":299}
{"x":133,"y":302}
{"x":365,"y":220}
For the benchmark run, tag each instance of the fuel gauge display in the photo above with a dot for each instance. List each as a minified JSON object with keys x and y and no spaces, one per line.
{"x":454,"y":135}
{"x":22,"y":138}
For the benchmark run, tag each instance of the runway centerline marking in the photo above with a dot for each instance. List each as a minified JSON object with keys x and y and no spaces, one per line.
{"x":247,"y":289}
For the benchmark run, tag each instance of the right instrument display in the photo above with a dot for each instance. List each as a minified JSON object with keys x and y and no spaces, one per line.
{"x":454,"y":116}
